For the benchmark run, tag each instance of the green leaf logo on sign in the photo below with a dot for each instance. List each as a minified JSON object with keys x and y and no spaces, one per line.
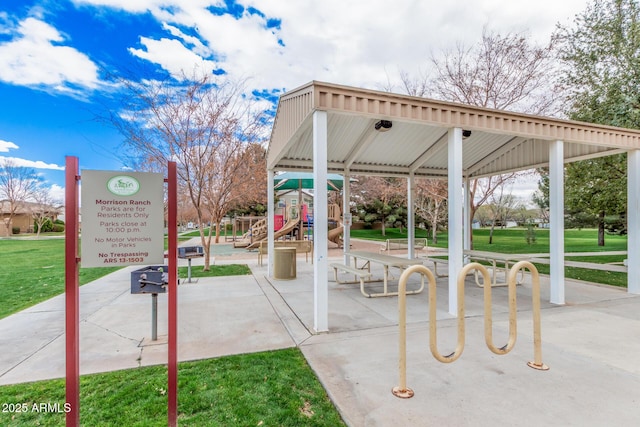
{"x":123,"y":185}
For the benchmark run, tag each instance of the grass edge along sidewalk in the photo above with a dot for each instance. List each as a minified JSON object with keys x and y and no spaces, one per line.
{"x":267,"y":388}
{"x":32,"y":271}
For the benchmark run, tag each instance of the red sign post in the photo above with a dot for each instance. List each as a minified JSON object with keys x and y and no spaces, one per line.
{"x":172,"y":221}
{"x":72,"y":296}
{"x":72,"y":292}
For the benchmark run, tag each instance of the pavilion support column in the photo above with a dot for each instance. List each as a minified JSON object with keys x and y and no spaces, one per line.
{"x":467,"y":214}
{"x":455,"y":215}
{"x":346,"y":217}
{"x":556,"y":226}
{"x":320,"y":224}
{"x":633,"y":221}
{"x":411,"y":228}
{"x":270,"y":220}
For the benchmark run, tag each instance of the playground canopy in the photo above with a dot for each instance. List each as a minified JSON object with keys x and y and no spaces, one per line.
{"x":300,"y":180}
{"x":327,"y":128}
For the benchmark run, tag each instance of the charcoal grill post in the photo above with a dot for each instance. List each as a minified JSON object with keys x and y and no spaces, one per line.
{"x":189,"y":270}
{"x":190,"y":252}
{"x":154,"y":317}
{"x":151,"y":280}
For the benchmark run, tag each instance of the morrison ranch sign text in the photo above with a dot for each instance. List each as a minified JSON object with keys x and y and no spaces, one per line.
{"x":122,"y":218}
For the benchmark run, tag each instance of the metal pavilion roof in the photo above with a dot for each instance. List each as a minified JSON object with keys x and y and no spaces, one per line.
{"x":500,"y":141}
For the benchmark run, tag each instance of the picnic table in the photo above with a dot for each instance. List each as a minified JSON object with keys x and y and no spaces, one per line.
{"x":496,"y":258}
{"x":364,"y":272}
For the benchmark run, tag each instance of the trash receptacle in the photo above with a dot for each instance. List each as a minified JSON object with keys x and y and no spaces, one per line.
{"x":284,"y":263}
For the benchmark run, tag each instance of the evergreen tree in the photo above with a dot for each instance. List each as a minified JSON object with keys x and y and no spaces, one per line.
{"x":602,"y":53}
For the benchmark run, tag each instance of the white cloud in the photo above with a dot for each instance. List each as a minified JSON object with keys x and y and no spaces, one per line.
{"x":198,"y":47}
{"x":56,"y":192}
{"x":35,"y":57}
{"x":5,"y":146}
{"x":358,"y":42}
{"x":36,"y":164}
{"x":172,"y":56}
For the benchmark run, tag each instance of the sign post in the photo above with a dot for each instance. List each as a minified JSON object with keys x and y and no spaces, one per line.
{"x":172,"y":360}
{"x":72,"y":297}
{"x":122,"y":225}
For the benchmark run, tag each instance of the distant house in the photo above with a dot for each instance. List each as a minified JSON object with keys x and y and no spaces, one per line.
{"x":288,"y":201}
{"x":23,"y":216}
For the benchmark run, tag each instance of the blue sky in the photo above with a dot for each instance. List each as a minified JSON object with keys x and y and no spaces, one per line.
{"x":54,"y":55}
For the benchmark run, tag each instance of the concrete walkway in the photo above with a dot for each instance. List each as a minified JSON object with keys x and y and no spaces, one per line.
{"x":217,"y":316}
{"x":592,"y":346}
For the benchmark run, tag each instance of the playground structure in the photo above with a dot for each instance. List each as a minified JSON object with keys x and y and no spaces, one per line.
{"x":249,"y":226}
{"x":297,"y":213}
{"x":287,"y":229}
{"x":402,"y":391}
{"x":297,"y":226}
{"x":335,"y":234}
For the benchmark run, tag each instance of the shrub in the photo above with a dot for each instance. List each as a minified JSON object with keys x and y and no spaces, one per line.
{"x":530,"y":234}
{"x":47,"y":226}
{"x":616,"y":224}
{"x":15,"y":230}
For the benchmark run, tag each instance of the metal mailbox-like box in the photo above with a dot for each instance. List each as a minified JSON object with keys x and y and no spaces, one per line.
{"x":150,"y":280}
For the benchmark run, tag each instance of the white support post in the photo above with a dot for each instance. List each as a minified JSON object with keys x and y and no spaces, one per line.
{"x":633,"y":222}
{"x":467,"y":215}
{"x":411,"y":228}
{"x":346,"y":217}
{"x":455,"y":215}
{"x":320,"y":224}
{"x":556,"y":216}
{"x":270,"y":221}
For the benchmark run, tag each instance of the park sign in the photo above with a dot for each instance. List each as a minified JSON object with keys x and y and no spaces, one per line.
{"x":122,"y":218}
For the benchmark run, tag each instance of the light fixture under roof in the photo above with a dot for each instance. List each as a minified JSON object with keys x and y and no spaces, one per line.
{"x":383,"y":125}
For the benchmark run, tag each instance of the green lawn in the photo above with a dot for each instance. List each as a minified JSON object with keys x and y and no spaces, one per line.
{"x":196,"y":233}
{"x":32,"y":271}
{"x":514,"y":241}
{"x":274,"y":388}
{"x":390,"y":233}
{"x":215,"y":271}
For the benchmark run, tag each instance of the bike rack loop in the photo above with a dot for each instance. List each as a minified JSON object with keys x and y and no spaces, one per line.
{"x":535,"y":308}
{"x":402,"y":390}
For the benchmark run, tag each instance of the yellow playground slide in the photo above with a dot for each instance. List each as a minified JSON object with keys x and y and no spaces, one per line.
{"x":335,"y":236}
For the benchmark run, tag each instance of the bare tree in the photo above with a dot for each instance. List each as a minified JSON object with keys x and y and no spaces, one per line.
{"x":17,"y":185}
{"x":44,"y":207}
{"x":202,"y":124}
{"x":502,"y":205}
{"x":482,"y":190}
{"x":502,"y":72}
{"x":241,"y":179}
{"x":416,"y":86}
{"x":431,"y":203}
{"x":250,"y":185}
